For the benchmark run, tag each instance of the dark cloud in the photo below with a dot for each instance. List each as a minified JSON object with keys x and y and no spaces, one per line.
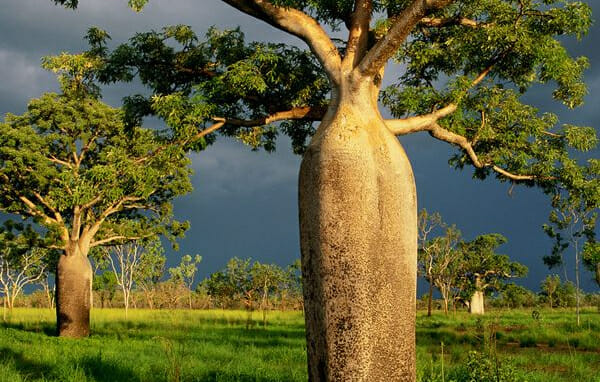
{"x":244,"y":203}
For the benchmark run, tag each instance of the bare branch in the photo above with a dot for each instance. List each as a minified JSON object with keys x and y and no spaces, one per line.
{"x":300,"y":25}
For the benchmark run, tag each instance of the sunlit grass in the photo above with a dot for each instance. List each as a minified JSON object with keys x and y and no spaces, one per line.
{"x":221,"y":345}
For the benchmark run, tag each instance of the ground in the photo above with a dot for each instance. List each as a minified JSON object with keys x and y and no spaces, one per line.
{"x":221,"y":345}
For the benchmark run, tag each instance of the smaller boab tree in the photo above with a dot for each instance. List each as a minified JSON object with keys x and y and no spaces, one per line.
{"x":485,"y":271}
{"x":69,"y":164}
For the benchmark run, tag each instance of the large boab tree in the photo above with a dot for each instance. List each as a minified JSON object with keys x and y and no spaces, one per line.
{"x":69,"y":164}
{"x":463,"y":67}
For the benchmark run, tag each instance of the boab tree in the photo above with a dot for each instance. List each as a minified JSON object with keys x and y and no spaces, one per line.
{"x":69,"y":164}
{"x":484,"y":271}
{"x":464,"y":65}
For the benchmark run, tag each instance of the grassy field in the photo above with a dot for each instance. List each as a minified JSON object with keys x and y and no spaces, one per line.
{"x":226,"y":346}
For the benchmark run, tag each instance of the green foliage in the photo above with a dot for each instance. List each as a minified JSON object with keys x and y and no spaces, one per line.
{"x":186,"y":270}
{"x":484,"y":269}
{"x":71,"y":165}
{"x":223,"y":76}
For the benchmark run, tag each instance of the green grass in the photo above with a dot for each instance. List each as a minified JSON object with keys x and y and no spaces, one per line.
{"x":221,"y":345}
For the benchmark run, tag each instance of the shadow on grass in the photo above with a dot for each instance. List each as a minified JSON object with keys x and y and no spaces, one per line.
{"x":94,"y":368}
{"x":38,"y":327}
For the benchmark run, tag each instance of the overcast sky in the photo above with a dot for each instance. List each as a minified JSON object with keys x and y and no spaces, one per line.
{"x":245,"y":203}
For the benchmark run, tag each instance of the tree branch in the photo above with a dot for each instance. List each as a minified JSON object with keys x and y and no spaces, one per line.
{"x":442,"y":22}
{"x":299,"y":24}
{"x":401,"y":127}
{"x":118,"y":238}
{"x":359,"y":33}
{"x":401,"y":27}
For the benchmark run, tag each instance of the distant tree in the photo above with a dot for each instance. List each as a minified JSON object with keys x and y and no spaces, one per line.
{"x":150,"y":270}
{"x":105,"y":285}
{"x":517,"y":296}
{"x":550,"y":287}
{"x":573,"y":222}
{"x":266,"y":280}
{"x":21,"y":261}
{"x":48,"y":281}
{"x":440,"y":260}
{"x":125,"y":262}
{"x":484,"y":271}
{"x":427,"y":223}
{"x":566,"y":295}
{"x":185,"y":272}
{"x":591,"y":259}
{"x":70,"y":164}
{"x":293,"y":283}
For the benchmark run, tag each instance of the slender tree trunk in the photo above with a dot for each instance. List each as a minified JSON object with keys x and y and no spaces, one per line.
{"x":430,"y":298}
{"x":598,"y":274}
{"x":73,"y":293}
{"x":577,"y":294}
{"x":126,"y":302}
{"x":358,"y":228}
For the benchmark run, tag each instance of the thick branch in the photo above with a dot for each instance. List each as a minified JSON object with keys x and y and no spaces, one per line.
{"x":307,"y":113}
{"x":359,"y":33}
{"x":300,"y":25}
{"x":400,"y":127}
{"x":418,"y":123}
{"x":401,"y":27}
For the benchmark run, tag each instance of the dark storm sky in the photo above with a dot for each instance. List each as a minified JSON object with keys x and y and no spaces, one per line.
{"x":244,"y":203}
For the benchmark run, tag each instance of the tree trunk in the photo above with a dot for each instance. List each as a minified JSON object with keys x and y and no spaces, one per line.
{"x":358,"y":227}
{"x":477,"y":303}
{"x":598,"y":274}
{"x":430,"y":298}
{"x":73,"y":294}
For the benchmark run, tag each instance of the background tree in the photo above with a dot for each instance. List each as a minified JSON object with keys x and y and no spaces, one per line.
{"x":465,"y":67}
{"x":485,"y":271}
{"x":426,"y":224}
{"x":21,"y":261}
{"x":125,"y":260}
{"x":185,"y":272}
{"x":573,"y":220}
{"x":266,"y":280}
{"x":105,"y":285}
{"x":70,"y":164}
{"x":549,"y":287}
{"x":438,"y":257}
{"x":591,"y":259}
{"x":150,"y":270}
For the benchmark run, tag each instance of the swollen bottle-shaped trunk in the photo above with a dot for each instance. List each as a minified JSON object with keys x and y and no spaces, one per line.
{"x":358,"y":226}
{"x":73,"y":294}
{"x":477,"y":305}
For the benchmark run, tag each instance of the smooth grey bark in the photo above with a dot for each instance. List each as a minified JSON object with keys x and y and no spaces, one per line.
{"x":73,"y":293}
{"x":358,"y":231}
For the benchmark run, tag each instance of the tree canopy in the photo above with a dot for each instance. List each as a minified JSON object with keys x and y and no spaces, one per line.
{"x":465,"y":67}
{"x":70,"y":164}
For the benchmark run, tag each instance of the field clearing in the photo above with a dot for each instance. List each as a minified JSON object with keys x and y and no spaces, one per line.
{"x":218,"y":345}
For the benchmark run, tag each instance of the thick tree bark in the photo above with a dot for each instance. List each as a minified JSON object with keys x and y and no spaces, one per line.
{"x":358,"y":226}
{"x":477,"y":303}
{"x":73,"y":293}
